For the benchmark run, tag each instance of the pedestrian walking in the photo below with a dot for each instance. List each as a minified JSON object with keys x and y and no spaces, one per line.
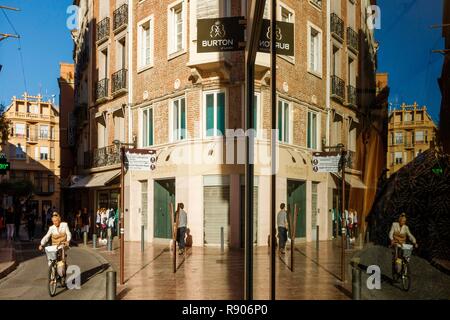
{"x":78,"y":224}
{"x":85,"y":221}
{"x":31,"y":223}
{"x":98,"y":223}
{"x":18,"y":215}
{"x":282,"y":224}
{"x":9,"y":219}
{"x":104,"y":223}
{"x":181,"y":227}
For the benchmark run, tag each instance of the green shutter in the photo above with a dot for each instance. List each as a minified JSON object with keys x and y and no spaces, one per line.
{"x":309,"y":129}
{"x":183,"y":119}
{"x":150,"y":127}
{"x":221,"y":113}
{"x":210,"y":115}
{"x":280,"y":120}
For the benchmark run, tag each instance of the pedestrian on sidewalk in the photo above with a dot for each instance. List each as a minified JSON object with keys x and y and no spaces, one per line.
{"x":104,"y":223}
{"x":9,"y":219}
{"x":181,"y":227}
{"x":85,"y":221}
{"x":282,"y":224}
{"x":98,"y":223}
{"x":77,"y":225}
{"x":18,"y":215}
{"x":31,"y":224}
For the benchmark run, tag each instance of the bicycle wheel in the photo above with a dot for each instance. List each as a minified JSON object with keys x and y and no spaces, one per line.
{"x":52,"y":280}
{"x":406,"y":280}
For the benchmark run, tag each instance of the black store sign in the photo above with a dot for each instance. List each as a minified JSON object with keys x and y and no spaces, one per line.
{"x":220,"y":35}
{"x":284,"y":38}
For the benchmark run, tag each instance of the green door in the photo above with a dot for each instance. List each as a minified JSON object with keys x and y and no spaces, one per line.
{"x":296,"y":195}
{"x":164,"y":193}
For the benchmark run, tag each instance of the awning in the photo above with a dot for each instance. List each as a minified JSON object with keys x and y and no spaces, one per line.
{"x":354,"y":181}
{"x":97,"y":179}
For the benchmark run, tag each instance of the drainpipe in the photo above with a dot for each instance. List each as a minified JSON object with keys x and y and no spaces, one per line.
{"x":328,"y":78}
{"x":130,"y":69}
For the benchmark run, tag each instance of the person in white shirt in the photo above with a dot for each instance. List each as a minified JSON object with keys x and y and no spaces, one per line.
{"x":282,"y":224}
{"x":181,"y":227}
{"x":59,"y":232}
{"x":399,"y":232}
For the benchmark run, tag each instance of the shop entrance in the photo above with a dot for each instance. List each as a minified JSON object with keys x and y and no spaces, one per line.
{"x":164,"y":194}
{"x":296,"y":195}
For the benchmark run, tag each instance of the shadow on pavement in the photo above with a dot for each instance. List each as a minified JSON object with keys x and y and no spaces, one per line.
{"x":89,"y":274}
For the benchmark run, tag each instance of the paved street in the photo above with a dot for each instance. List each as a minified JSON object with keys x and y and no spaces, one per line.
{"x":427,"y":281}
{"x":29,"y":280}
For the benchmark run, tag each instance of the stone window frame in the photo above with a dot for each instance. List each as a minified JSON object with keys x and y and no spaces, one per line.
{"x":171,"y":51}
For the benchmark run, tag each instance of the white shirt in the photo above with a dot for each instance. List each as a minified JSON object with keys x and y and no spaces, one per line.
{"x":63,"y":228}
{"x":403,"y":230}
{"x":182,"y":220}
{"x":282,"y":218}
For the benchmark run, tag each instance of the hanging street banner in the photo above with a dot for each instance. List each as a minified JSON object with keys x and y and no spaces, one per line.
{"x":284,"y":38}
{"x":140,"y":159}
{"x":221,"y":34}
{"x":326,"y":162}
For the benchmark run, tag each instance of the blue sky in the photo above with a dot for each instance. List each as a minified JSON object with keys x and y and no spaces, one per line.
{"x":45,"y":41}
{"x":406,"y":41}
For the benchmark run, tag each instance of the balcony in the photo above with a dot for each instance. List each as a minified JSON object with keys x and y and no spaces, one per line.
{"x":337,"y":88}
{"x":337,"y":26}
{"x":119,"y":82}
{"x":120,"y":18}
{"x":351,"y":96}
{"x":106,"y":156}
{"x":101,"y":90}
{"x":103,"y":30}
{"x":352,"y":39}
{"x":33,"y":117}
{"x":32,"y":137}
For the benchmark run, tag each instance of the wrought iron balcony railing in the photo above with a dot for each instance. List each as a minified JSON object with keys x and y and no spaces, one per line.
{"x":352,"y":39}
{"x":351,"y":95}
{"x":317,"y":3}
{"x":106,"y":156}
{"x":337,"y":87}
{"x":101,"y":89}
{"x":103,"y":29}
{"x":120,"y":17}
{"x":337,"y":25}
{"x":119,"y":81}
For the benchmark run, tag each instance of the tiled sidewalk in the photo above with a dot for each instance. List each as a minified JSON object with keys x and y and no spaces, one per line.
{"x":209,"y":274}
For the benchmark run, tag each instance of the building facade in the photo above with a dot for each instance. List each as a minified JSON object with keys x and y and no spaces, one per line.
{"x":148,"y":87}
{"x":411,"y":132}
{"x":33,"y":148}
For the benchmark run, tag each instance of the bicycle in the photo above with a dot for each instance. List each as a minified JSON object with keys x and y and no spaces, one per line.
{"x":57,"y":268}
{"x":400,"y":266}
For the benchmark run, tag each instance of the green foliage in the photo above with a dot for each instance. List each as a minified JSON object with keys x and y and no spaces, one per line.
{"x":5,"y":125}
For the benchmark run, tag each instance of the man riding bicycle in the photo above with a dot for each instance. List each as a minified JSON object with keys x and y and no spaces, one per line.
{"x":59,"y":232}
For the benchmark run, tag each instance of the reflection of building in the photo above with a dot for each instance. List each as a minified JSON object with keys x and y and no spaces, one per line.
{"x":33,"y":147}
{"x":153,"y":89}
{"x":444,"y":81}
{"x":67,"y":139}
{"x":411,"y":131}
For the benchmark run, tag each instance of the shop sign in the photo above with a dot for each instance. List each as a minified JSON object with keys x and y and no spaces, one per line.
{"x":284,"y":38}
{"x":221,"y":34}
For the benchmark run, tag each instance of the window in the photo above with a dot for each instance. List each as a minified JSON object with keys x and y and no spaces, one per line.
{"x":398,"y":157}
{"x":420,"y":136}
{"x":52,"y":153}
{"x":44,"y":153}
{"x":20,"y":130}
{"x":312,"y":140}
{"x":176,"y":28}
{"x":352,"y":137}
{"x":213,"y":8}
{"x":121,"y":56}
{"x":314,"y":50}
{"x":52,"y":133}
{"x":283,"y":121}
{"x":21,"y":153}
{"x":257,"y":113}
{"x":336,"y":61}
{"x":33,"y":109}
{"x":215,"y":114}
{"x":147,"y":127}
{"x":286,"y":15}
{"x":351,"y":13}
{"x":102,"y":134}
{"x":399,"y":138}
{"x":119,"y":126}
{"x":103,"y":65}
{"x":145,"y":43}
{"x":351,"y":71}
{"x":179,"y":119}
{"x":336,"y":7}
{"x":43,"y":132}
{"x":408,"y":117}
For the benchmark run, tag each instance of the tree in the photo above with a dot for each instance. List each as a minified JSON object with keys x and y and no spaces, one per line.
{"x":5,"y":125}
